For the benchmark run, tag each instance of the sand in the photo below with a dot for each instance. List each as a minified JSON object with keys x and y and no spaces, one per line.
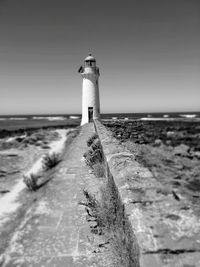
{"x":9,"y":202}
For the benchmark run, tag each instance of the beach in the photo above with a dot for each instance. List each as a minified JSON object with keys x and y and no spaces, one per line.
{"x":24,"y":148}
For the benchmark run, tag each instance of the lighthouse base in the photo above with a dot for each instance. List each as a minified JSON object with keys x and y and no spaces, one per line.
{"x":89,"y":116}
{"x":87,"y":121}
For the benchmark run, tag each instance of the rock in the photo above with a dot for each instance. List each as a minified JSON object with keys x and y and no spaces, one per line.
{"x":170,"y":134}
{"x":168,"y":142}
{"x":45,"y":147}
{"x":196,"y":154}
{"x":178,"y":166}
{"x":3,"y":173}
{"x":19,"y":139}
{"x":31,"y":141}
{"x":39,"y":136}
{"x":158,"y":142}
{"x":181,"y":150}
{"x":25,"y":141}
{"x":173,"y":217}
{"x":39,"y":143}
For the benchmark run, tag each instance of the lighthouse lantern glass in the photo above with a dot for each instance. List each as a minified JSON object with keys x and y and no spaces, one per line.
{"x":90,"y":63}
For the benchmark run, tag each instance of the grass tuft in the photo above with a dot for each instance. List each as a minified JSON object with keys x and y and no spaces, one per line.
{"x":31,"y":182}
{"x":91,"y":139}
{"x":99,"y":169}
{"x":110,"y":221}
{"x":95,"y":154}
{"x":50,"y":161}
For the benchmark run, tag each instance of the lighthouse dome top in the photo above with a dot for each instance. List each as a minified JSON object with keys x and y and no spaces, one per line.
{"x":90,"y":58}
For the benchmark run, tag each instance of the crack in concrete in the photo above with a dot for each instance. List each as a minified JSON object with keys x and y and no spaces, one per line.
{"x":59,"y":221}
{"x":145,"y":201}
{"x":171,"y":251}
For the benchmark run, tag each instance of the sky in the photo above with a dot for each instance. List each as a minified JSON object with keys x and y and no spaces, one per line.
{"x":148,"y":52}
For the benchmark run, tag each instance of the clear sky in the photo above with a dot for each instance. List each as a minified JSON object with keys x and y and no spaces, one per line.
{"x":148,"y":52}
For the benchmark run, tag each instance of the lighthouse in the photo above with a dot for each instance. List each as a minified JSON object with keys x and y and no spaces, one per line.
{"x":90,"y":90}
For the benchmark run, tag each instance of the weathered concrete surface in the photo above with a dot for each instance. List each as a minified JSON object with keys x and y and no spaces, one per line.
{"x":168,"y":232}
{"x":54,"y":231}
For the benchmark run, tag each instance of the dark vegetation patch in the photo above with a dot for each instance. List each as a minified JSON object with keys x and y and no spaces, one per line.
{"x":108,"y":220}
{"x":13,"y":128}
{"x":173,"y":217}
{"x":94,"y":155}
{"x":99,"y":169}
{"x":171,"y":133}
{"x":91,"y":140}
{"x":4,"y":191}
{"x":194,"y":185}
{"x":50,"y":161}
{"x":37,"y":138}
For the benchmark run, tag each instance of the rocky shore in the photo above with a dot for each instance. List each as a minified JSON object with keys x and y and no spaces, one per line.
{"x":170,"y":150}
{"x":159,"y":184}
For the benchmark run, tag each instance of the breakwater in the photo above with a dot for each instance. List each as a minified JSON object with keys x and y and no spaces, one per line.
{"x":159,"y":222}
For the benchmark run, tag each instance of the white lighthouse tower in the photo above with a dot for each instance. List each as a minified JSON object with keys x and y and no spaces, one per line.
{"x":90,"y":90}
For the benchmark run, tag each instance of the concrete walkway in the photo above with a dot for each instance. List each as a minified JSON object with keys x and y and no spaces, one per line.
{"x":54,"y":231}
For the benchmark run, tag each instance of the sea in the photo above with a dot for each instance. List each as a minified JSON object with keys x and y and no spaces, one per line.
{"x":12,"y":122}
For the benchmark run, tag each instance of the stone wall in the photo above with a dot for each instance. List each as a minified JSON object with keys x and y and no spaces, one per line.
{"x":122,"y":170}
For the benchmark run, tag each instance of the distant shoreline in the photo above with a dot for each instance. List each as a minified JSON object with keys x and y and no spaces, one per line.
{"x":11,"y":130}
{"x":17,"y":124}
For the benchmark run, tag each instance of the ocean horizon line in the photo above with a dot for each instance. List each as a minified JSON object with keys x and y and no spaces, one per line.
{"x":103,"y":113}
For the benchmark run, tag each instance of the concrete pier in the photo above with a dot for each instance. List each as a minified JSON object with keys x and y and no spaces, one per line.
{"x":54,"y":231}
